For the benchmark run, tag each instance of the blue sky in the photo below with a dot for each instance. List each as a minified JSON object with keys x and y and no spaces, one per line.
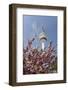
{"x":33,"y":24}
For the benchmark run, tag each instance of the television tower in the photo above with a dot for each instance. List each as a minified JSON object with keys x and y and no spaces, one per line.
{"x":42,"y":38}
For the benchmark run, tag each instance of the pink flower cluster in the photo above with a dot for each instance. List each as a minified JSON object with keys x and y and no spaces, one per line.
{"x":38,"y":62}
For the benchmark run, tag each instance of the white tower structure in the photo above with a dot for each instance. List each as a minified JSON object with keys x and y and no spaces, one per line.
{"x":42,"y":38}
